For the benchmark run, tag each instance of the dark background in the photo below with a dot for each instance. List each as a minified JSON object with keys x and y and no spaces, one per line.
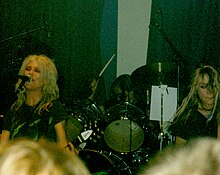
{"x":81,"y":36}
{"x":73,"y":33}
{"x":184,"y":34}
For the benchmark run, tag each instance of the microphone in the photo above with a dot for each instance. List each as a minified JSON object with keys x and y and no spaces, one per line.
{"x":24,"y":78}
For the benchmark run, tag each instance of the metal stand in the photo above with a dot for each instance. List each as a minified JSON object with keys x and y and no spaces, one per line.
{"x":164,"y":136}
{"x":44,"y":27}
{"x":161,"y":135}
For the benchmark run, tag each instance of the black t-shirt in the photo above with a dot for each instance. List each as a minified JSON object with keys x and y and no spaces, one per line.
{"x":196,"y":126}
{"x":29,"y":124}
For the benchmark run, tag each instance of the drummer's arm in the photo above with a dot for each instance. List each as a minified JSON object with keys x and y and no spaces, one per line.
{"x":179,"y":140}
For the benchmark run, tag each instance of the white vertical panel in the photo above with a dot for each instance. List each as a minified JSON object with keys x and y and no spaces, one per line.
{"x":133,"y":32}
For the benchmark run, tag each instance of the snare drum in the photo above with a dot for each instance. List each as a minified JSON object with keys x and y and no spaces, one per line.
{"x":104,"y":163}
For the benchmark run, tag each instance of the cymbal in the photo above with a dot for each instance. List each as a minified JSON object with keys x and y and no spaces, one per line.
{"x":155,"y":74}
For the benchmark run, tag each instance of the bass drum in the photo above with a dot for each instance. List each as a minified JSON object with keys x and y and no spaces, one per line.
{"x":104,"y":163}
{"x":126,"y":122}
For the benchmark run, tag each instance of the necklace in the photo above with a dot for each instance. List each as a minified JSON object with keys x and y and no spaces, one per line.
{"x":205,"y":109}
{"x":206,"y":113}
{"x":201,"y":107}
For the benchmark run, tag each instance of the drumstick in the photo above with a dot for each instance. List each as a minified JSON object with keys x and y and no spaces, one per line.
{"x":106,"y":65}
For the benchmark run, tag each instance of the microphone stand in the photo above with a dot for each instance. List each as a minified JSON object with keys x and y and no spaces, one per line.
{"x":21,"y":34}
{"x":44,"y":27}
{"x":180,"y":61}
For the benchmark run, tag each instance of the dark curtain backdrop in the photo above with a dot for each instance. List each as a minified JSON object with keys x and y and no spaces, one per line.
{"x":67,"y":31}
{"x":75,"y":27}
{"x":184,"y":34}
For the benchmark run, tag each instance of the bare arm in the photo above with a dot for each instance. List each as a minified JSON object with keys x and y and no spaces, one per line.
{"x":5,"y":136}
{"x":61,"y":135}
{"x":61,"y":139}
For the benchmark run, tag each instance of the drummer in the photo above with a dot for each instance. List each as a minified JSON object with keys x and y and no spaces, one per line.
{"x":121,"y":90}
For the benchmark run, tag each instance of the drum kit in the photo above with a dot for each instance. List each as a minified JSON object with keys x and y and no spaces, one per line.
{"x":122,"y":140}
{"x":115,"y":139}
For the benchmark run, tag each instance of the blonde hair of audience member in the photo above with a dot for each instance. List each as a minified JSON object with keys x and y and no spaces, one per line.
{"x":27,"y":157}
{"x":197,"y":157}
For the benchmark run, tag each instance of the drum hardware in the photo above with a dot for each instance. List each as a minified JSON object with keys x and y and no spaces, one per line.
{"x":83,"y":137}
{"x":73,"y":132}
{"x":161,"y":135}
{"x":136,"y":159}
{"x":101,"y":162}
{"x":161,"y":70}
{"x":122,"y":164}
{"x":90,"y":118}
{"x":140,"y":158}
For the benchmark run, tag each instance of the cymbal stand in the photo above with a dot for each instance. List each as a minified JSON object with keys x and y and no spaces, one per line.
{"x":163,"y":135}
{"x":130,"y":130}
{"x":129,"y":118}
{"x":161,"y":122}
{"x":163,"y":89}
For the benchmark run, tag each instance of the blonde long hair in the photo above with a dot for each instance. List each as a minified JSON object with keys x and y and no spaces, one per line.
{"x":27,"y":157}
{"x":191,"y":100}
{"x":49,"y":80}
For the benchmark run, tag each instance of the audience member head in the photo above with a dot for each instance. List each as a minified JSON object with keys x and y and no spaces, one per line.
{"x":198,"y":157}
{"x":26,"y":157}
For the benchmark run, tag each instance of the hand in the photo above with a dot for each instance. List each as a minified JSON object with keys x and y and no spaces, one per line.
{"x":71,"y":149}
